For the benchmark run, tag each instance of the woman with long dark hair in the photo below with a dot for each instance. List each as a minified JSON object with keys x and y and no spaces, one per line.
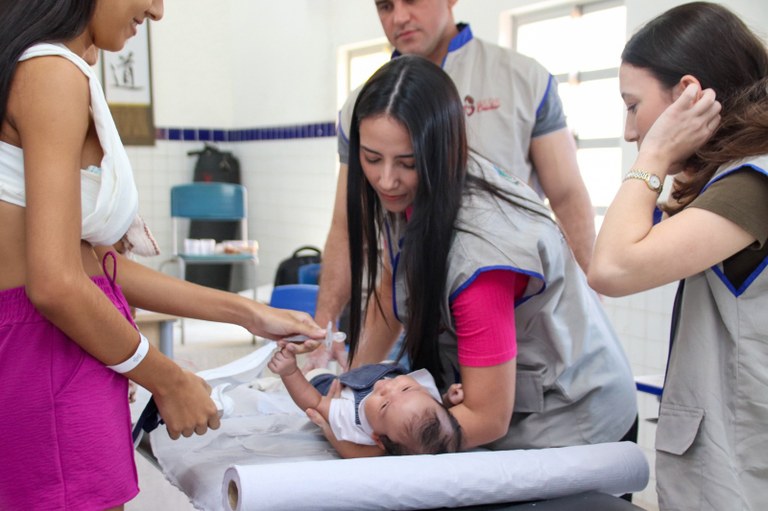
{"x":468,"y":260}
{"x":695,"y":82}
{"x":67,"y":340}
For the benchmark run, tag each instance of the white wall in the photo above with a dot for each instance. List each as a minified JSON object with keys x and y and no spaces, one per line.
{"x":193,"y":65}
{"x":257,"y":63}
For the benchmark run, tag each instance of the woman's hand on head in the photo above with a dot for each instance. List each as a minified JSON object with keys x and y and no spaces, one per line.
{"x":187,"y":407}
{"x":682,"y":128}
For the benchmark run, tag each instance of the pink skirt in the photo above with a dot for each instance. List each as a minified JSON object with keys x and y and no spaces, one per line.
{"x":65,"y":432}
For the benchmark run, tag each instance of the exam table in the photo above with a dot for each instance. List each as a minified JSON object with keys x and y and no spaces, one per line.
{"x":268,"y":455}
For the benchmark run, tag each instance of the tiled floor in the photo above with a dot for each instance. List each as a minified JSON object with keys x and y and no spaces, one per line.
{"x":156,"y":494}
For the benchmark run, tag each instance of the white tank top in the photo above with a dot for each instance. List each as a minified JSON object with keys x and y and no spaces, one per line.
{"x":108,"y":193}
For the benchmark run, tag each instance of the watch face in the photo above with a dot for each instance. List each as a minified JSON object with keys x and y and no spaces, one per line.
{"x":655,"y":182}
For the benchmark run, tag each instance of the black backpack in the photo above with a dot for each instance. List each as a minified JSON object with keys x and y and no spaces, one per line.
{"x":288,"y":270}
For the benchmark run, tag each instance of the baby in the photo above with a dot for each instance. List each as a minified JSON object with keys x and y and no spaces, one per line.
{"x":374,"y":409}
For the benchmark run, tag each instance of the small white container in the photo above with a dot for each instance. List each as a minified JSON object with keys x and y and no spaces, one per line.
{"x":207,"y":246}
{"x":192,"y":246}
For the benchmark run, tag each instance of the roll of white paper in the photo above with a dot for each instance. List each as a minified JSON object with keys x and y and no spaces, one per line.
{"x":446,"y":480}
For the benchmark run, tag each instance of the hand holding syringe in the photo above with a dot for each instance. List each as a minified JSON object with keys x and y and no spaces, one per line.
{"x":223,"y":378}
{"x":330,"y":337}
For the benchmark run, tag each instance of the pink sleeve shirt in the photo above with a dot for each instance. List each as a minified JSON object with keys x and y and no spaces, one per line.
{"x":484,"y":316}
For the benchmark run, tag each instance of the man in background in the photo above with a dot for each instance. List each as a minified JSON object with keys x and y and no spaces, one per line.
{"x":514,"y":118}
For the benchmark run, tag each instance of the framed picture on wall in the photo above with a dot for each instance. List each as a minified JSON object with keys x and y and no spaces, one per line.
{"x":127,"y":80}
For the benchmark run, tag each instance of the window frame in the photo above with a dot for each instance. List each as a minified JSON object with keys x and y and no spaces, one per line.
{"x":573,"y":9}
{"x":347,"y":53}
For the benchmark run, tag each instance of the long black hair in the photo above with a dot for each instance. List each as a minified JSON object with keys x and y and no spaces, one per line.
{"x":419,"y":95}
{"x":27,"y":22}
{"x":710,"y":42}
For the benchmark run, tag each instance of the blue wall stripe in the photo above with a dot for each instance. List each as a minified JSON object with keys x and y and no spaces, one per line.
{"x":290,"y":132}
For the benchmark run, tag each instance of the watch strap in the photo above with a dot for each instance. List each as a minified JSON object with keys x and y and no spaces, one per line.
{"x":653,"y":181}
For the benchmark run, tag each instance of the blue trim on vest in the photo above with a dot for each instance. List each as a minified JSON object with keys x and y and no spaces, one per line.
{"x":457,"y":42}
{"x":546,"y":93}
{"x":484,"y":269}
{"x":745,"y":285}
{"x":394,"y":260}
{"x":394,"y":287}
{"x":657,"y":215}
{"x":731,"y":171}
{"x":716,"y":269}
{"x":389,"y":242}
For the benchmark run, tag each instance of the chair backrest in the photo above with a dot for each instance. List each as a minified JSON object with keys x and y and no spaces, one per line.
{"x":298,"y":297}
{"x":209,"y":201}
{"x":309,"y":273}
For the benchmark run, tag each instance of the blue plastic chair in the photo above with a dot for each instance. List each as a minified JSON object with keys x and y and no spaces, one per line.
{"x":309,"y":273}
{"x":298,"y":297}
{"x":211,"y":202}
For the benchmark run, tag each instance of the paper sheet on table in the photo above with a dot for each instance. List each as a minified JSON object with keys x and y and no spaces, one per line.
{"x":263,"y":427}
{"x":268,"y":437}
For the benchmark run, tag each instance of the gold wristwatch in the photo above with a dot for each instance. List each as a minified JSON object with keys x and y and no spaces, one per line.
{"x":652,"y":180}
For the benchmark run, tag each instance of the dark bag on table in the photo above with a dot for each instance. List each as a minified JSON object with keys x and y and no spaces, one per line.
{"x":288,"y":270}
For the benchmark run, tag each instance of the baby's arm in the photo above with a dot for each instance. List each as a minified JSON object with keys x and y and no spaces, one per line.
{"x":315,"y":404}
{"x":302,"y":392}
{"x":344,"y":448}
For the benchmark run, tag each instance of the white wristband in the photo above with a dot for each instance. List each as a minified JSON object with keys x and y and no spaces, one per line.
{"x":135,"y":359}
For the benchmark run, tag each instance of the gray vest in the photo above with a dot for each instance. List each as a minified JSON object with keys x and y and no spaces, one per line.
{"x":502,"y":92}
{"x":712,"y":437}
{"x":574,"y":385}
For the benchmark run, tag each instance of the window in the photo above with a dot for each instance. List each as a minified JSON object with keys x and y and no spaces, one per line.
{"x":581,"y":46}
{"x":358,"y":63}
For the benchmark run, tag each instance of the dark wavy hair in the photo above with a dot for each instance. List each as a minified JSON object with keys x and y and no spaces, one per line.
{"x":713,"y":44}
{"x":419,"y":95}
{"x":27,"y":22}
{"x":430,"y":435}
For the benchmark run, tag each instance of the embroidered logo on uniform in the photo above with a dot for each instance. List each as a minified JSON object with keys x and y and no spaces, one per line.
{"x":471,"y":106}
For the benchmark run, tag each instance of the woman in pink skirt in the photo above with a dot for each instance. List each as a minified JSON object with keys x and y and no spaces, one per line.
{"x":67,"y":342}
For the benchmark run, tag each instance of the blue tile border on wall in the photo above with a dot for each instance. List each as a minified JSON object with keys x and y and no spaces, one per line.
{"x":291,"y":132}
